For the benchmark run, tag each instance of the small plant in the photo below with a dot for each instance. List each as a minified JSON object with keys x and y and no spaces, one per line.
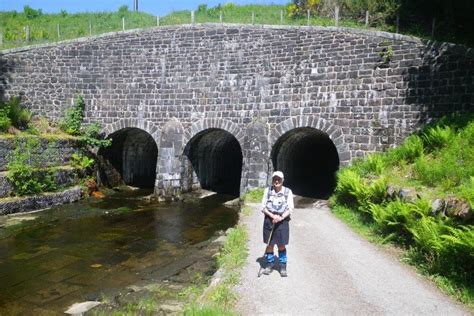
{"x":12,"y":111}
{"x":72,"y":120}
{"x":91,"y":136}
{"x":5,"y":121}
{"x":386,"y":55}
{"x":81,"y":161}
{"x":438,"y":137}
{"x":411,"y":149}
{"x":373,"y":164}
{"x":72,"y":123}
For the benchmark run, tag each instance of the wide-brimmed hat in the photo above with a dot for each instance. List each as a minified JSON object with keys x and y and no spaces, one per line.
{"x":278,"y":174}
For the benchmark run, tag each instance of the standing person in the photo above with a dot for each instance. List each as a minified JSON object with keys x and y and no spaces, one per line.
{"x":277,"y":205}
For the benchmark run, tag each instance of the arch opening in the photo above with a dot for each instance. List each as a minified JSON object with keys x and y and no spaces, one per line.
{"x":216,"y":158}
{"x":309,"y":160}
{"x":133,"y":154}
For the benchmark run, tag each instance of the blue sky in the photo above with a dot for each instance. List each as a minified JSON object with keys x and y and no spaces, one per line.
{"x":155,"y":7}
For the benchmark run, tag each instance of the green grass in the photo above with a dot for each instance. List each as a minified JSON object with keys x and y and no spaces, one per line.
{"x":220,"y":299}
{"x":44,"y":27}
{"x":253,"y":196}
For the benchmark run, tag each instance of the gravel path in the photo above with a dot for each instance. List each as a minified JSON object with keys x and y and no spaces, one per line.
{"x":333,"y":271}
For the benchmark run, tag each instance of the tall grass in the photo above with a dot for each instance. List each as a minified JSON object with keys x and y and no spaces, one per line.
{"x":45,"y":28}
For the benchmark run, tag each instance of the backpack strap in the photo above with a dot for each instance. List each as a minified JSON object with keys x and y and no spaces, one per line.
{"x":269,"y":192}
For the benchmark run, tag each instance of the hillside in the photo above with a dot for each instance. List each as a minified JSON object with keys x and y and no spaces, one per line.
{"x":32,"y":26}
{"x":420,"y":196}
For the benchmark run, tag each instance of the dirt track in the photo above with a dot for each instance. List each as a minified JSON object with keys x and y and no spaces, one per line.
{"x":333,"y":271}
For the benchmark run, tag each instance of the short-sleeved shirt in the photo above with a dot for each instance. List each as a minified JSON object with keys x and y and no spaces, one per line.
{"x":276,"y":202}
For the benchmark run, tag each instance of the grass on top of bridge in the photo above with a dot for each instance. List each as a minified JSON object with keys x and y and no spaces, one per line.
{"x":32,"y":27}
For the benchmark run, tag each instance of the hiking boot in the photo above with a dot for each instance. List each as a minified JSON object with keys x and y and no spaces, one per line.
{"x":268,"y":269}
{"x":283,"y":272}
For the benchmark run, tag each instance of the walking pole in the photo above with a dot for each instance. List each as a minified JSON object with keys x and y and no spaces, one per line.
{"x":268,"y":243}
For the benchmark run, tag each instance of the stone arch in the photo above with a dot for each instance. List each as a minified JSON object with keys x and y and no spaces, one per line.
{"x":305,"y":150}
{"x":335,"y":133}
{"x":226,"y":125}
{"x":212,"y":146}
{"x":132,"y":158}
{"x":145,"y":125}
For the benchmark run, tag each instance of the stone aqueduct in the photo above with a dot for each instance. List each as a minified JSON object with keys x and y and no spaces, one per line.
{"x":221,"y":106}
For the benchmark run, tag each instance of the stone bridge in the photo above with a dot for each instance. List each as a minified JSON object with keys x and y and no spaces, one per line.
{"x":221,"y":106}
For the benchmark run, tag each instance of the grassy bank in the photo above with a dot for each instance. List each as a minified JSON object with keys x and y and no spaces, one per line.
{"x":419,"y":196}
{"x":34,"y":27}
{"x":220,"y":298}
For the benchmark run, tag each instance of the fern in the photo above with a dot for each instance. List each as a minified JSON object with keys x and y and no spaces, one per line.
{"x":438,"y":137}
{"x":427,"y":234}
{"x":373,"y":164}
{"x":411,"y":149}
{"x":377,"y":191}
{"x":351,"y":189}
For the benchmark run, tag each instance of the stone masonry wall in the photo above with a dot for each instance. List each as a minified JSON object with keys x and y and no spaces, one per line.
{"x":365,"y":90}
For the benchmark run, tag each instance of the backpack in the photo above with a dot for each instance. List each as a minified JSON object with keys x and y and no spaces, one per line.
{"x":286,"y":191}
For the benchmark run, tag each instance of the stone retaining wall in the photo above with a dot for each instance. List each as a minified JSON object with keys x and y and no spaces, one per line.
{"x":64,"y":178}
{"x":48,"y":153}
{"x":41,"y":201}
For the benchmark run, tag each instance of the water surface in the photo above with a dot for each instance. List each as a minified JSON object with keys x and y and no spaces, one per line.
{"x":87,"y":249}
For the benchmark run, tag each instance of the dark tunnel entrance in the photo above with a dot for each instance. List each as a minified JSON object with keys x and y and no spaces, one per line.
{"x":216,"y":157}
{"x":309,"y":160}
{"x":133,"y":154}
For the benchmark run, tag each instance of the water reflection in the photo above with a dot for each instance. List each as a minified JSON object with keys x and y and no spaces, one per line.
{"x":79,"y":251}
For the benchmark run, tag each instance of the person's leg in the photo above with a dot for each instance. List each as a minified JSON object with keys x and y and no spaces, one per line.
{"x":270,"y":259}
{"x":283,"y":259}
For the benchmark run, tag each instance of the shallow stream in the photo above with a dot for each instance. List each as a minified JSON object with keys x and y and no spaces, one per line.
{"x":82,"y":251}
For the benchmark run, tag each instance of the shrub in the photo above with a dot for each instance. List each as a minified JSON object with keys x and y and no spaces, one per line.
{"x":23,"y":174}
{"x":5,"y":121}
{"x":31,"y":13}
{"x":202,"y":8}
{"x":81,"y":161}
{"x":91,"y":136}
{"x":123,"y":11}
{"x":380,"y":10}
{"x":12,"y":111}
{"x":72,"y":121}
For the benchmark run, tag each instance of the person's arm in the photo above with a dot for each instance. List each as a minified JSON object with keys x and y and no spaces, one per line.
{"x":264,"y":200}
{"x":291,"y":206}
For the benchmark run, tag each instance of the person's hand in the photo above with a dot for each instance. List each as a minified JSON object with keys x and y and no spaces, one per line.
{"x":277,"y":218}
